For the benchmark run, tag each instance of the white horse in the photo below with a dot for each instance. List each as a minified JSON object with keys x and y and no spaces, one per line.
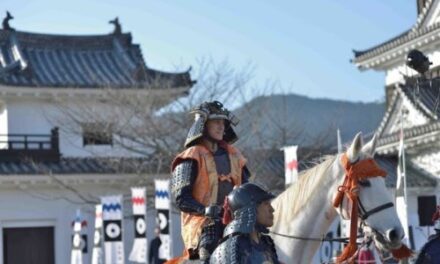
{"x":306,"y":209}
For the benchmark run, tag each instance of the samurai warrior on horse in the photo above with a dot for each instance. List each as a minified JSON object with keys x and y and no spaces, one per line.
{"x":203,"y":175}
{"x":210,"y":169}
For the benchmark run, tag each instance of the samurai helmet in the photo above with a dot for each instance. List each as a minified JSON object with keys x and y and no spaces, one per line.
{"x":209,"y":111}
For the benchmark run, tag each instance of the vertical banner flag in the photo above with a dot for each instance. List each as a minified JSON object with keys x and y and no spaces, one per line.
{"x":401,"y":202}
{"x":344,"y":224}
{"x":77,"y":242}
{"x":139,"y":251}
{"x":291,"y":164}
{"x":112,"y":222}
{"x":97,"y":257}
{"x":162,"y":204}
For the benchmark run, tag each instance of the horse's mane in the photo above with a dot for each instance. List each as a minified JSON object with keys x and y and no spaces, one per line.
{"x":296,"y":196}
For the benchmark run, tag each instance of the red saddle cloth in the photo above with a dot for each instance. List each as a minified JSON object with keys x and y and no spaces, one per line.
{"x":366,"y":256}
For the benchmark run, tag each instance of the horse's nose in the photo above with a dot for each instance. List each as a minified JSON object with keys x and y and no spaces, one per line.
{"x":394,"y":235}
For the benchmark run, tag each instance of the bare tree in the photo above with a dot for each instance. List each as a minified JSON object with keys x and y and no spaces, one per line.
{"x":151,"y":124}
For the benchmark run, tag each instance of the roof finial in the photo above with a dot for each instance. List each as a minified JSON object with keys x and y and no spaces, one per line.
{"x":118,"y":28}
{"x":6,"y":21}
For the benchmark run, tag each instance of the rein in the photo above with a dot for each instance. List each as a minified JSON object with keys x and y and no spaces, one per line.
{"x":323,"y":239}
{"x":364,"y":169}
{"x":355,"y":172}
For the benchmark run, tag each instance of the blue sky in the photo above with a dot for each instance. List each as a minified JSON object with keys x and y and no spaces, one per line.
{"x":304,"y":46}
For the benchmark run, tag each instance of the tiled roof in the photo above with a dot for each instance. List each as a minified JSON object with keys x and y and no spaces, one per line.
{"x":413,"y":33}
{"x":424,"y":94}
{"x":415,"y":177}
{"x":62,"y":61}
{"x":82,"y":166}
{"x":410,"y":133}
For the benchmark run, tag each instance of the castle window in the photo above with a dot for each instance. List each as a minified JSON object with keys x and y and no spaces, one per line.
{"x":97,"y":134}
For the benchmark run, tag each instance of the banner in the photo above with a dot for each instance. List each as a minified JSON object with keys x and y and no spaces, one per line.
{"x":401,"y":202}
{"x":291,"y":164}
{"x":112,"y":221}
{"x":162,"y":204}
{"x":139,"y":251}
{"x":97,"y":257}
{"x":78,"y":241}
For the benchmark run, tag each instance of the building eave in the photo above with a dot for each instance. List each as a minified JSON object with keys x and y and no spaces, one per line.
{"x":23,"y":181}
{"x":49,"y":92}
{"x":414,"y":32}
{"x":410,"y":142}
{"x":395,"y":52}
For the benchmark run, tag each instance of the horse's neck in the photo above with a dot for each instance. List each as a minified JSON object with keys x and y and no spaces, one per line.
{"x":311,"y":222}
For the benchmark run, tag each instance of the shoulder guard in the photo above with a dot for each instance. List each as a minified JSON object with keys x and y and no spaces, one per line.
{"x":227,"y":252}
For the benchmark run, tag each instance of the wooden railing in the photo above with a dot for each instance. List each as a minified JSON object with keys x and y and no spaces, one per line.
{"x":31,"y":147}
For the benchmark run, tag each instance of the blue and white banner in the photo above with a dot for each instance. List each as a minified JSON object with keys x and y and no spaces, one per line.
{"x":97,"y":257}
{"x":163,"y":203}
{"x":112,"y":222}
{"x":139,"y":252}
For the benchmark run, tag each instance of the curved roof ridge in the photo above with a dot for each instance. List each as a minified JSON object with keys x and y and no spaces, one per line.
{"x":409,"y":34}
{"x":422,"y":16}
{"x":66,"y":41}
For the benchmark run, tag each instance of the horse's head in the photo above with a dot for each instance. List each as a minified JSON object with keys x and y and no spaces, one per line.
{"x":375,"y":209}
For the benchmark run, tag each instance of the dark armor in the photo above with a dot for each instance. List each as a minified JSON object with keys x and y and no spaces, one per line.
{"x":185,"y":174}
{"x":182,"y":181}
{"x":430,"y":252}
{"x":237,"y":246}
{"x":205,"y":112}
{"x":181,"y":186}
{"x":240,"y":248}
{"x":243,"y":203}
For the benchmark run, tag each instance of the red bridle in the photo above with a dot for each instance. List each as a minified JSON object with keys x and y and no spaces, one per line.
{"x":354,"y":172}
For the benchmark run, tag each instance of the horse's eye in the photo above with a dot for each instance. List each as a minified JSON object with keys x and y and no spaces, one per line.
{"x":364,"y":183}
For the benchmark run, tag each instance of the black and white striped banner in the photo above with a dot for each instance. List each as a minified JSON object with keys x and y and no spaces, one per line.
{"x":139,"y":252}
{"x":162,"y":204}
{"x":112,"y":222}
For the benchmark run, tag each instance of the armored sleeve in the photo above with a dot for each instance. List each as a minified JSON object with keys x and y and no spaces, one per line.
{"x":182,"y":181}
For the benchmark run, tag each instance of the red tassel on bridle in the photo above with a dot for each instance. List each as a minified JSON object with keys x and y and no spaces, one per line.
{"x":353,"y":173}
{"x":227,"y":214}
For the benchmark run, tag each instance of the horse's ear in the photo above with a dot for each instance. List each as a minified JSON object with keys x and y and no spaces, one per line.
{"x":370,"y":147}
{"x":355,"y":148}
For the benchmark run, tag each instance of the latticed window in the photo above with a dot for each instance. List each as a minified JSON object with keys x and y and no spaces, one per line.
{"x":97,"y":133}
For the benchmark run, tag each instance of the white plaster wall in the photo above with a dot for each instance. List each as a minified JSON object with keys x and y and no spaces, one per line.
{"x":428,"y":161}
{"x":394,"y":73}
{"x":3,"y":124}
{"x":39,"y":116}
{"x":37,"y":206}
